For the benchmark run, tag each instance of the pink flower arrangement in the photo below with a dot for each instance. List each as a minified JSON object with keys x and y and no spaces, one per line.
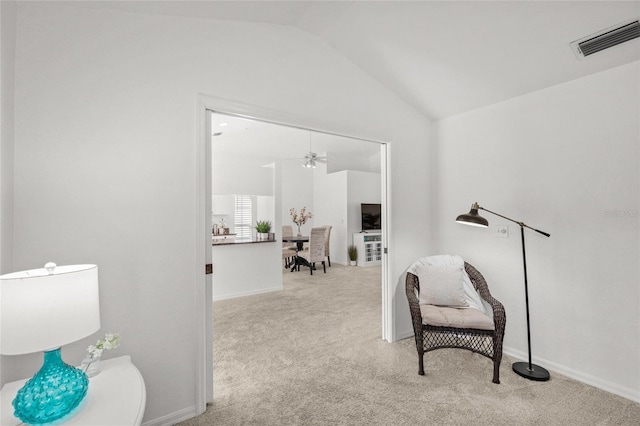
{"x":300,"y":219}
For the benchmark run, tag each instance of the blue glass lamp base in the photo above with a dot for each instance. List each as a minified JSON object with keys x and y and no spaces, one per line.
{"x":52,"y":393}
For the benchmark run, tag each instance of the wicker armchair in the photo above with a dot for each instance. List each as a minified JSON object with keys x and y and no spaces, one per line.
{"x":430,"y":337}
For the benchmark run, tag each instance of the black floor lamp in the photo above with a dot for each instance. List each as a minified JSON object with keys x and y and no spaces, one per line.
{"x":524,"y":369}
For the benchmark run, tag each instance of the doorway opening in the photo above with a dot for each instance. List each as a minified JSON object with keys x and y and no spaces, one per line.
{"x":233,"y":137}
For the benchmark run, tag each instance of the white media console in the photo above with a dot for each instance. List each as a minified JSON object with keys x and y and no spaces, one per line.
{"x":369,"y":245}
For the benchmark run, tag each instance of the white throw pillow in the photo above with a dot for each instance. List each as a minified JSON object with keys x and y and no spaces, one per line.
{"x":441,"y":285}
{"x":471,"y":295}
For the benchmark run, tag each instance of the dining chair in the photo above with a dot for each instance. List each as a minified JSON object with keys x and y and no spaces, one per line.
{"x":327,"y":239}
{"x":288,"y":249}
{"x":316,"y":249}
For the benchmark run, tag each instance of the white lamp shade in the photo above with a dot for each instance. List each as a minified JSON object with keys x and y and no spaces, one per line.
{"x":40,"y":311}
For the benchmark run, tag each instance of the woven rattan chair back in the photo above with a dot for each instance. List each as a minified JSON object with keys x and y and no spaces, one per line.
{"x":485,"y":342}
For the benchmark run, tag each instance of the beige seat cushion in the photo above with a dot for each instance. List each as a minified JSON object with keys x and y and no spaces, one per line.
{"x":442,"y":316}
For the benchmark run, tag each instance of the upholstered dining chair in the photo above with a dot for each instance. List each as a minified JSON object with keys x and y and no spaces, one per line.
{"x":288,"y":249}
{"x":316,"y":249}
{"x":444,"y":318}
{"x":327,"y":241}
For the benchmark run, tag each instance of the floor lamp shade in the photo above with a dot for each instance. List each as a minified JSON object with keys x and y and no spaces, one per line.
{"x":473,"y":218}
{"x":42,"y":310}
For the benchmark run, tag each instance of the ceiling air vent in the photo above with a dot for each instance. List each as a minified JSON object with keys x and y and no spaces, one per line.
{"x":606,"y":38}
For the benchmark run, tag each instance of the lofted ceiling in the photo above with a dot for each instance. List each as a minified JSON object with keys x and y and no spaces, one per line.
{"x":441,"y":57}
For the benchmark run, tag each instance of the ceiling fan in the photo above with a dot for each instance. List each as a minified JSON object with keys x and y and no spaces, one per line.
{"x":311,"y":158}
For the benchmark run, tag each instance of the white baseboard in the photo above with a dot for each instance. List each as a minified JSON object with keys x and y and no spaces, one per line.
{"x":246,"y":293}
{"x":173,"y":418}
{"x":631,"y":394}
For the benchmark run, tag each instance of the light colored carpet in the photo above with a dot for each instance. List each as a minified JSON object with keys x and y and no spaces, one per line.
{"x":312,"y":355}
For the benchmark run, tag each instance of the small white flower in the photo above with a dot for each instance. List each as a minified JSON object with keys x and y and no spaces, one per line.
{"x":111,"y":341}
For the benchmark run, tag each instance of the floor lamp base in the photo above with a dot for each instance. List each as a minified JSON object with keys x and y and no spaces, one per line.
{"x":534,"y":373}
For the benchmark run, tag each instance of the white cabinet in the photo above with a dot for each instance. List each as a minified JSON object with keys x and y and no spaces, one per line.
{"x":369,"y":246}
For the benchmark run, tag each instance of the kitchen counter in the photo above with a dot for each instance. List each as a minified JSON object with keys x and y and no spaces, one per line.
{"x":230,"y":239}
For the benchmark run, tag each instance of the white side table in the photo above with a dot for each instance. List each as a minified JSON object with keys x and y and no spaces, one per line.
{"x":116,"y":397}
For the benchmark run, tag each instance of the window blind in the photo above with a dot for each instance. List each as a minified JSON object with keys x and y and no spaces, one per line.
{"x":243,"y":216}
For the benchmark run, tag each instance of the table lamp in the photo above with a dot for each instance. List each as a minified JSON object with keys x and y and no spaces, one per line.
{"x":42,"y":310}
{"x":528,"y":370}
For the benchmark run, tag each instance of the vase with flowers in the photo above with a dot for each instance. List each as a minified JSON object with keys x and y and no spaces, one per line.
{"x":91,"y":363}
{"x":300,"y":218}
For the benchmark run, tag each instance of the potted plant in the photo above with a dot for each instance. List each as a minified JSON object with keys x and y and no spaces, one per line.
{"x":353,"y":254}
{"x":263,"y":227}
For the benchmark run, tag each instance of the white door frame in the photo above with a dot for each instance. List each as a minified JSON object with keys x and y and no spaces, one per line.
{"x":203,"y":285}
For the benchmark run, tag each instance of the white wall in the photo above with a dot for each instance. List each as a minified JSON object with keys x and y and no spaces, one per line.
{"x":361,"y":163}
{"x":245,"y":175}
{"x":564,"y":160}
{"x":223,"y":205}
{"x":330,"y":201}
{"x":266,"y":210}
{"x":7,"y":63}
{"x":297,"y":192}
{"x":105,"y":161}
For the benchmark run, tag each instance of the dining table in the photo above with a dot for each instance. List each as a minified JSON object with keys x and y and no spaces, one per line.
{"x":299,"y":260}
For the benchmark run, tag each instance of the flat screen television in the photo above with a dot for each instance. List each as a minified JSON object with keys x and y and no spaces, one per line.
{"x":371,"y":215}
